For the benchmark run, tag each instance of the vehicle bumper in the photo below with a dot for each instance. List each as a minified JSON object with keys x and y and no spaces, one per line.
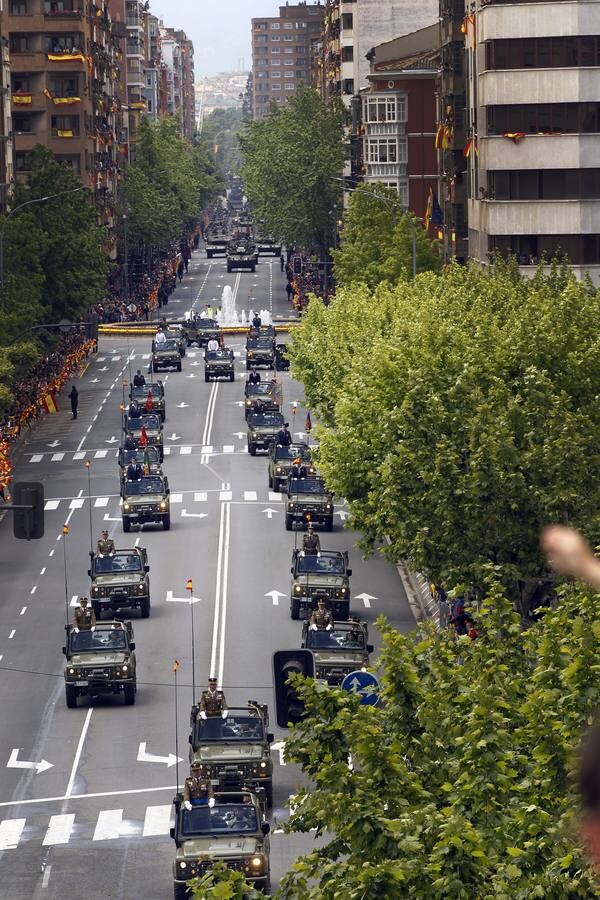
{"x":260,"y":360}
{"x":262,"y":443}
{"x":317,"y":517}
{"x":121,"y":601}
{"x":219,"y":373}
{"x":146,"y":516}
{"x":339,"y":608}
{"x":95,"y":686}
{"x":166,"y":362}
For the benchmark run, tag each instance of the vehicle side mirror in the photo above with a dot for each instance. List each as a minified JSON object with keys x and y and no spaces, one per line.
{"x":270,"y":737}
{"x":370,"y":648}
{"x":146,"y":568}
{"x":132,"y":645}
{"x":189,"y":739}
{"x":172,"y":833}
{"x":90,"y":572}
{"x":292,"y":570}
{"x":64,"y":650}
{"x":265,"y":828}
{"x":348,"y":572}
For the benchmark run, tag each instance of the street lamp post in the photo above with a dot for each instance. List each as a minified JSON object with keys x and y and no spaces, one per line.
{"x":126,"y":253}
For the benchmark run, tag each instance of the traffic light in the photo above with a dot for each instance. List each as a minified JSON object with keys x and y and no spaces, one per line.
{"x":91,"y":327}
{"x":297,"y":265}
{"x":28,"y":522}
{"x":289,"y":706}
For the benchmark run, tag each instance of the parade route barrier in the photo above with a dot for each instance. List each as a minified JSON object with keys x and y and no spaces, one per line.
{"x":148,"y":328}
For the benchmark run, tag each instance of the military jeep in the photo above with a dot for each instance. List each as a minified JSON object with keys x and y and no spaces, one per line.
{"x":281,"y":459}
{"x":266,"y":396}
{"x":320,"y":576}
{"x":219,"y":364}
{"x":156,"y":390}
{"x":154,"y":430}
{"x":338,"y":652}
{"x":147,"y":457}
{"x":235,"y":751}
{"x":308,"y":500}
{"x":260,"y":351}
{"x":262,"y":430}
{"x":234,"y":831}
{"x":241,"y":254}
{"x":200,"y":330}
{"x":119,"y":581}
{"x":146,"y":500}
{"x":100,"y":662}
{"x":166,"y":356}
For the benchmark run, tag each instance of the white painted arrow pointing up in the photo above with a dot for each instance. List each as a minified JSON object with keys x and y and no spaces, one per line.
{"x":111,"y":440}
{"x":182,"y":405}
{"x":142,"y":756}
{"x":270,"y":512}
{"x":174,"y":437}
{"x":275,"y":595}
{"x":366,"y":599}
{"x":15,"y":763}
{"x":342,"y":514}
{"x":54,"y":444}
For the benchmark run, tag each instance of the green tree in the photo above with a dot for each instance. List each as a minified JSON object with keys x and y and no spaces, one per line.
{"x":219,"y":139}
{"x":462,"y":416}
{"x":376,"y":240}
{"x":222,"y":883}
{"x":293,"y":163}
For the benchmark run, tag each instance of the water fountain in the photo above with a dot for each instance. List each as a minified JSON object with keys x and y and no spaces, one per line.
{"x":228,"y":314}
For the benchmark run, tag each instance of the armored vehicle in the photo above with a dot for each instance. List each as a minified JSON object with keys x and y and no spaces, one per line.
{"x":235,"y":751}
{"x":156,"y":390}
{"x":280,"y":463}
{"x":260,"y":351}
{"x":146,"y":500}
{"x":267,"y":245}
{"x":326,"y":575}
{"x":265,"y":396}
{"x":218,"y":364}
{"x":200,"y":331}
{"x":154,"y":431}
{"x":216,"y":243}
{"x":119,"y":581}
{"x":338,"y":652}
{"x":308,"y":500}
{"x":100,"y":662}
{"x":241,"y":254}
{"x":234,"y":831}
{"x":166,"y":356}
{"x":147,"y":457}
{"x":262,"y":430}
{"x":262,"y":331}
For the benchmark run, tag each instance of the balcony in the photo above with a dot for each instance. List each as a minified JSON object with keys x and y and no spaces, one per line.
{"x":517,"y":20}
{"x":540,"y":151}
{"x":524,"y":217}
{"x":539,"y":86}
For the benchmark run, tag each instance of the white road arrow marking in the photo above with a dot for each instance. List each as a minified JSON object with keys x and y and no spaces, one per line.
{"x":174,"y":437}
{"x":171,"y":599}
{"x":237,"y":403}
{"x":112,"y":440}
{"x":300,"y":434}
{"x":187,"y":515}
{"x":182,"y":405}
{"x":279,"y":746}
{"x":54,"y":444}
{"x":366,"y":599}
{"x":14,"y":763}
{"x":342,"y":514}
{"x":94,"y":381}
{"x":192,"y":374}
{"x":195,"y":363}
{"x":269,"y":512}
{"x":143,"y":756}
{"x":275,"y":595}
{"x":103,"y":369}
{"x":108,"y":518}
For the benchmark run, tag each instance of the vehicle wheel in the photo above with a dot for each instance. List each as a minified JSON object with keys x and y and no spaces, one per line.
{"x":232,"y":377}
{"x":70,"y":696}
{"x":179,"y":367}
{"x":180,"y":892}
{"x":329,"y":524}
{"x":254,"y":267}
{"x":267,"y":888}
{"x":271,"y":483}
{"x":97,"y":609}
{"x":288,"y":522}
{"x":295,"y":608}
{"x":129,"y":694}
{"x":126,"y":524}
{"x":252,"y":450}
{"x":207,"y":378}
{"x":145,"y":607}
{"x":167,"y":522}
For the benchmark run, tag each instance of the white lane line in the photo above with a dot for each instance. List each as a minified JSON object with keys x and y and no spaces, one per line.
{"x":46,"y":876}
{"x":33,"y":589}
{"x":224,"y":593}
{"x":200,"y":496}
{"x":12,"y":634}
{"x":228,"y":448}
{"x":215,"y":634}
{"x":51,"y":553}
{"x":79,"y":456}
{"x":43,"y":570}
{"x":100,"y":454}
{"x":250,"y":495}
{"x":76,"y":504}
{"x":23,"y":611}
{"x":59,"y":829}
{"x":78,"y":752}
{"x":225,"y":495}
{"x":157,"y":820}
{"x":109,"y":825}
{"x":51,"y":504}
{"x":37,"y":457}
{"x":176,"y":498}
{"x":10,"y":833}
{"x":101,"y":501}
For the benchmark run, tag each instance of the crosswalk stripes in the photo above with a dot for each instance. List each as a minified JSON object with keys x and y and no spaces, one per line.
{"x":157,"y":821}
{"x":59,"y":830}
{"x":177,"y":498}
{"x":108,"y":826}
{"x":10,"y":833}
{"x":184,"y":450}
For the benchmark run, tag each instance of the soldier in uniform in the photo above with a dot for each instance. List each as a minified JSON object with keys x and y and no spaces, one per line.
{"x":130,"y":442}
{"x":254,"y":377}
{"x":197,"y":790}
{"x":105,"y":546}
{"x":311,"y":543}
{"x":298,"y":469}
{"x":138,"y":379}
{"x":84,"y":618}
{"x":321,"y":619}
{"x":212,"y":702}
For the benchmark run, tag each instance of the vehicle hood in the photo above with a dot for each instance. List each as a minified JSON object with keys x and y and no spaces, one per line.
{"x":165,"y":351}
{"x":116,"y":658}
{"x":315,"y":578}
{"x":224,"y":846}
{"x":123,"y":578}
{"x":310,"y":498}
{"x":264,"y":429}
{"x":219,"y":363}
{"x":229,"y":752}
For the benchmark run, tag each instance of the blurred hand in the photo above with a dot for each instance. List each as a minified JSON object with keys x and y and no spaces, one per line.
{"x":570,"y":554}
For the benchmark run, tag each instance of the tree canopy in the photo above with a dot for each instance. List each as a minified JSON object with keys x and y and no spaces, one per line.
{"x":292,"y":169}
{"x":219,"y":139}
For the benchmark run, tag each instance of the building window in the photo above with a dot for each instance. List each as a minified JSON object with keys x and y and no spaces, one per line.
{"x":63,"y":43}
{"x":290,"y":87}
{"x":276,"y":87}
{"x":275,"y":74}
{"x":260,"y":38}
{"x":385,"y":109}
{"x":275,"y":26}
{"x":288,"y":50}
{"x":64,"y":87}
{"x":275,"y":37}
{"x":72,"y":162}
{"x":288,"y":74}
{"x":22,"y":162}
{"x":275,"y":50}
{"x":545,"y":184}
{"x":382,"y":150}
{"x":347,"y":54}
{"x":543,"y":53}
{"x":18,"y":7}
{"x":288,"y":37}
{"x":546,"y":118}
{"x":302,"y":75}
{"x":288,"y":62}
{"x":20,"y":84}
{"x":19,"y":43}
{"x":275,"y":62}
{"x":347,"y":22}
{"x":22,"y":123}
{"x":65,"y":123}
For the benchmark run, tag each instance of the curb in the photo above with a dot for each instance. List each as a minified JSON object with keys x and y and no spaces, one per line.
{"x":422,"y":604}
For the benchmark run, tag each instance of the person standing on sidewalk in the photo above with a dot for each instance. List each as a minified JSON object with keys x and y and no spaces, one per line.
{"x":74,"y":398}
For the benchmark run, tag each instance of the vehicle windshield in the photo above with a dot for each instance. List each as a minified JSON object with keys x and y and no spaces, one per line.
{"x":307,"y":486}
{"x":206,"y":323}
{"x":260,"y":389}
{"x":150,"y":423}
{"x":121,"y":561}
{"x":226,"y":818}
{"x":257,"y":420}
{"x":233,"y":728}
{"x":143,"y":455}
{"x":167,"y":345}
{"x":149,"y":485}
{"x":324,"y":563}
{"x":342,"y":639}
{"x":97,"y":641}
{"x":140,"y":393}
{"x":291,"y":452}
{"x":259,"y":344}
{"x":219,"y":354}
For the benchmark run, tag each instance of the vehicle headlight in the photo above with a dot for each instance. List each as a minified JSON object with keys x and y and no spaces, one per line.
{"x":126,"y":507}
{"x":343,"y":590}
{"x":163,"y":504}
{"x":297,"y":589}
{"x":328,"y":506}
{"x":182,"y":865}
{"x":95,"y":589}
{"x":263,"y":765}
{"x":71,"y":671}
{"x":254,"y":435}
{"x":250,"y":353}
{"x":125,"y":668}
{"x":142,"y":587}
{"x":291,"y":506}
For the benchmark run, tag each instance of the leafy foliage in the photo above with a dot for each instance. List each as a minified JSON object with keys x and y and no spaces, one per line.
{"x":219,"y":139}
{"x":293,"y":162}
{"x":222,"y":883}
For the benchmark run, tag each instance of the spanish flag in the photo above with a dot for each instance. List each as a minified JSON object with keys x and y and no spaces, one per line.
{"x":65,"y":101}
{"x":66,"y":134}
{"x":514,"y":136}
{"x":22,"y":99}
{"x":49,"y":403}
{"x":66,"y":57}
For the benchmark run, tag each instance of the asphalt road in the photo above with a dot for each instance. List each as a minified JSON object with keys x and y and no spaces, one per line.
{"x":95,"y":823}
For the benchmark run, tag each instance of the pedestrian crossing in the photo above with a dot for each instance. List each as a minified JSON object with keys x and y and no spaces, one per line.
{"x":174,"y":450}
{"x":177,"y":498}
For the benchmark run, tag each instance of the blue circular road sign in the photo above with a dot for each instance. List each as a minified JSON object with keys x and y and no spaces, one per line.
{"x":365,"y":684}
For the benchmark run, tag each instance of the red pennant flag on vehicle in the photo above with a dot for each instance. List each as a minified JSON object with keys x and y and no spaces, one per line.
{"x":143,"y":437}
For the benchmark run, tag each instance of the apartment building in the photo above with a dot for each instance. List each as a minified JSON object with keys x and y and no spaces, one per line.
{"x":534,"y":119}
{"x":281,"y":53}
{"x":6,"y":148}
{"x":184,"y":91}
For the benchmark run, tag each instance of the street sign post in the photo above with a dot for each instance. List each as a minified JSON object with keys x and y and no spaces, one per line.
{"x":365,"y":685}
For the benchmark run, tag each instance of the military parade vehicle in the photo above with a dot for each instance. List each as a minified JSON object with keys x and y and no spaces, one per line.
{"x":234,"y":831}
{"x":100,"y":662}
{"x":323,"y":575}
{"x":174,"y":332}
{"x":280,"y":463}
{"x":216,"y":243}
{"x":266,"y":396}
{"x":166,"y":356}
{"x":219,"y":364}
{"x":262,"y":331}
{"x":147,"y":457}
{"x":308,"y":500}
{"x":262,"y":430}
{"x":154,"y":430}
{"x":201,"y":330}
{"x":146,"y":500}
{"x":338,"y":652}
{"x":120,"y":581}
{"x":157,"y":391}
{"x":241,"y":254}
{"x":260,"y":351}
{"x":266,"y":245}
{"x":236,"y":751}
{"x":282,"y":360}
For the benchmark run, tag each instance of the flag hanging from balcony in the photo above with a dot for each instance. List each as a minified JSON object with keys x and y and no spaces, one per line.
{"x":468,"y":29}
{"x":514,"y":136}
{"x":21,"y":99}
{"x":66,"y":133}
{"x":471,"y":146}
{"x":66,"y":57}
{"x":48,"y":94}
{"x":65,"y":101}
{"x":438,"y":137}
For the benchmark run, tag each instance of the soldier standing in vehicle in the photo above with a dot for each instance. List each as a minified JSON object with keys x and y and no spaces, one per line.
{"x":321,"y":619}
{"x":212,"y":702}
{"x":311,"y":543}
{"x":138,"y":379}
{"x":197,"y":790}
{"x":254,"y":377}
{"x":284,"y":438}
{"x":106,"y":545}
{"x":84,"y":618}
